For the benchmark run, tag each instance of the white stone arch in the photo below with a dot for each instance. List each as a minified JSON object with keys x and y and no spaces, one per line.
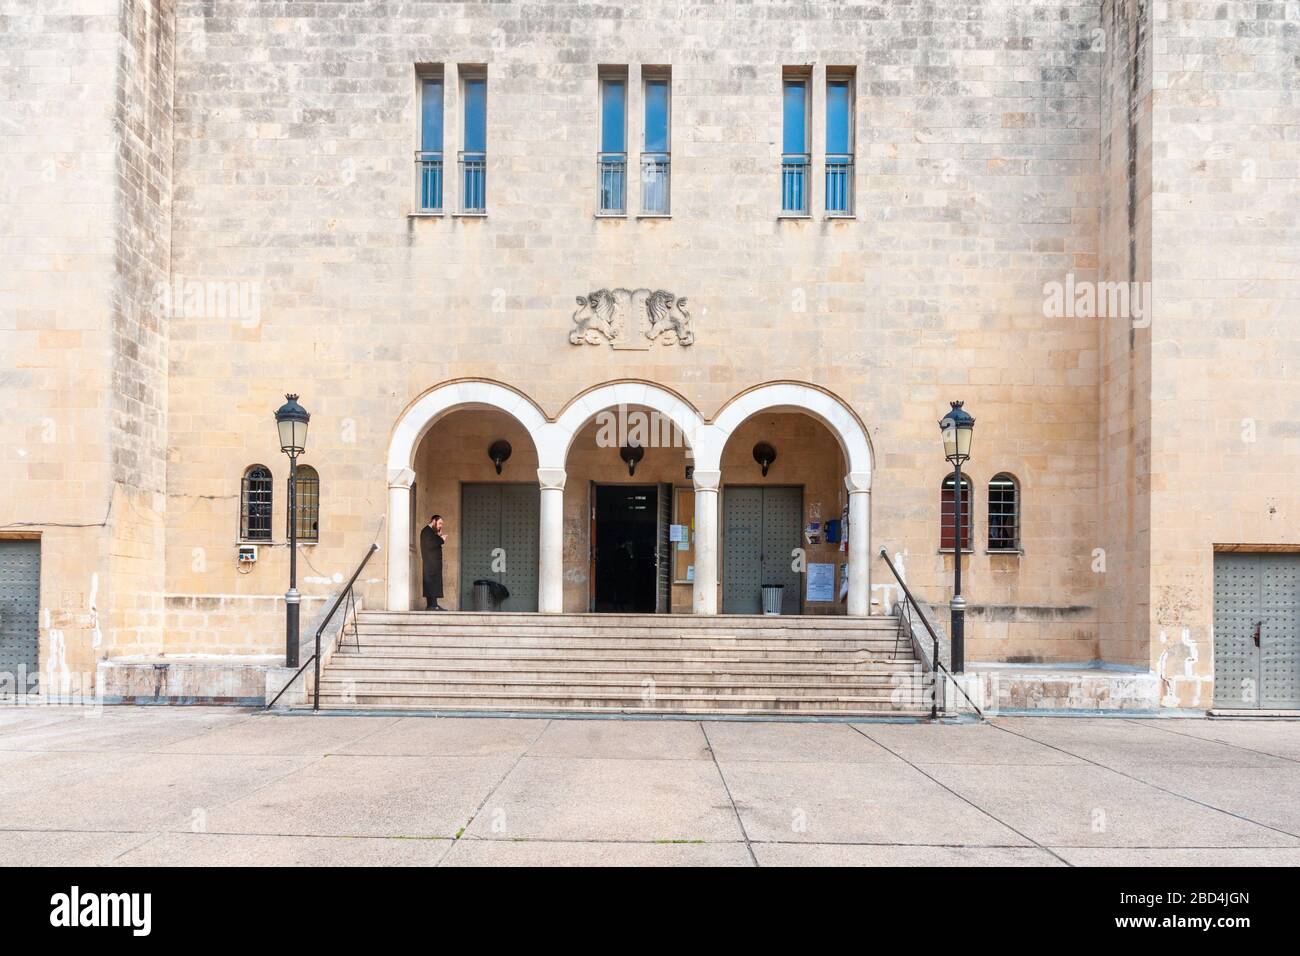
{"x":589,"y":404}
{"x":858,"y":456}
{"x":414,"y":424}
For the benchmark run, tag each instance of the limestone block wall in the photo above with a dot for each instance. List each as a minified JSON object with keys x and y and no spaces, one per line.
{"x":1225,"y":338}
{"x":976,"y":182}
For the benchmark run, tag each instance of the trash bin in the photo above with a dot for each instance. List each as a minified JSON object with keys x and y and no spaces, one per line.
{"x":483,"y":595}
{"x":772,"y":594}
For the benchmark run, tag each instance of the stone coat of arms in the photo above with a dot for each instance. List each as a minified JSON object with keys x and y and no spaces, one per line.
{"x":631,"y":319}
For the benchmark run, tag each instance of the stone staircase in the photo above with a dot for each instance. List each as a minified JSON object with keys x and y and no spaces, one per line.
{"x":624,"y":663}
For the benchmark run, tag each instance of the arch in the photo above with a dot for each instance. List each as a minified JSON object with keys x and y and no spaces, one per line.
{"x":827,"y":408}
{"x":586,"y":405}
{"x":422,"y":413}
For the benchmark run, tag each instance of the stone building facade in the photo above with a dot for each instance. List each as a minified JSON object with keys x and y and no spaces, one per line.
{"x":210,"y":203}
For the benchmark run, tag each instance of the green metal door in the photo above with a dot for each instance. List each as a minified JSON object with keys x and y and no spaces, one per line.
{"x":20,"y":594}
{"x":499,"y":541}
{"x":760,"y":529}
{"x":1257,"y":631}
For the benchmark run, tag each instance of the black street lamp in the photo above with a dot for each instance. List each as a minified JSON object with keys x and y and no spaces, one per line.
{"x":291,"y":421}
{"x":957,"y":427}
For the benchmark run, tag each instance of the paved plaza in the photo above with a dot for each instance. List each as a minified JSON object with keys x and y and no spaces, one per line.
{"x":129,"y":786}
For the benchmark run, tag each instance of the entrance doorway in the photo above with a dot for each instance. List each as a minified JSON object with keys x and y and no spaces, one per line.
{"x":761,"y":526}
{"x":1257,"y":631}
{"x":20,"y":590}
{"x":629,"y":554}
{"x":500,"y":523}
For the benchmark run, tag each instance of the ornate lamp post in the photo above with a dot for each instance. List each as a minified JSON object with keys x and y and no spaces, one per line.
{"x":291,"y":421}
{"x":957,"y":427}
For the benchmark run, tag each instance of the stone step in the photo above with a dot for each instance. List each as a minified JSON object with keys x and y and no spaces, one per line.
{"x":679,"y":709}
{"x":615,"y":651}
{"x":538,"y":700}
{"x":589,"y":686}
{"x":354,"y":664}
{"x":560,"y":639}
{"x":380,"y":681}
{"x":624,"y":621}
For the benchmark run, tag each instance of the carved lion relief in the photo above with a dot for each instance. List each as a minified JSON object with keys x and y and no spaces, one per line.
{"x":631,"y":319}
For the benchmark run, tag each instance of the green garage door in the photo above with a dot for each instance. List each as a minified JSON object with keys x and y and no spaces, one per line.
{"x":1257,"y":631}
{"x":760,"y":529}
{"x":20,"y":594}
{"x":500,"y":528}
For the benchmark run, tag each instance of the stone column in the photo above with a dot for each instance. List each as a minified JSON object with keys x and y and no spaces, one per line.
{"x":399,"y":539}
{"x":858,"y":484}
{"x":550,"y":563}
{"x":704,"y":596}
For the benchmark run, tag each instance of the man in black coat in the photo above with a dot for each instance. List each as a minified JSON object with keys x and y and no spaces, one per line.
{"x":431,"y":541}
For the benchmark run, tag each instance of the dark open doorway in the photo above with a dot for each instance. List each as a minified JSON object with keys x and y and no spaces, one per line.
{"x":626,"y":539}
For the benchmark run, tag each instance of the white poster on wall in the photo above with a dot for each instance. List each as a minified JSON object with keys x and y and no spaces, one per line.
{"x":821,"y":582}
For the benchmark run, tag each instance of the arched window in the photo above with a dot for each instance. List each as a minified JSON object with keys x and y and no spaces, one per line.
{"x":1004,"y":513}
{"x":307,"y":504}
{"x":255,"y":504}
{"x":948,"y":514}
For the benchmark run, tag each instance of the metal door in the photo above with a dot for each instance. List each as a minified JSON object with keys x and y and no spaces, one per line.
{"x":1257,"y":630}
{"x":499,"y":540}
{"x":782,"y":511}
{"x":20,"y":594}
{"x":760,"y":527}
{"x":664,"y":552}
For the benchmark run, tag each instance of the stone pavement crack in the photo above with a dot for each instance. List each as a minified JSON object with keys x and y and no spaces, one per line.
{"x":749,"y":848}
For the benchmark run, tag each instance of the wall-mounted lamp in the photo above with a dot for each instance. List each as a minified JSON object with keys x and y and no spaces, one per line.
{"x":764,"y":454}
{"x":631,"y":454}
{"x":500,"y":453}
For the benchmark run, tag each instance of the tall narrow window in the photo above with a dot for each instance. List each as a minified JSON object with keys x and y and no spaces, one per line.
{"x":611,"y":161}
{"x":255,"y":504}
{"x":839,"y":144}
{"x":306,"y":504}
{"x":656,"y":151}
{"x":794,"y":146}
{"x":473,"y":157}
{"x":948,"y":514}
{"x":1004,"y":513}
{"x":428,"y":159}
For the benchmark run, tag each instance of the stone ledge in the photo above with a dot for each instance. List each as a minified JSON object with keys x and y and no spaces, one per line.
{"x":1042,"y":688}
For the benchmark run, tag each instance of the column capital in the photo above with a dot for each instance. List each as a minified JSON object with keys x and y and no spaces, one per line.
{"x":706,"y":480}
{"x":400,"y":478}
{"x":551,"y":479}
{"x":858,"y":482}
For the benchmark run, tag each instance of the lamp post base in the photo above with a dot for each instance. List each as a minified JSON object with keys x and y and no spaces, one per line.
{"x":292,"y":603}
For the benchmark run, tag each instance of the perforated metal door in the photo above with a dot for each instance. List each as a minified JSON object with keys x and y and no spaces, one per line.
{"x":1257,"y":631}
{"x":500,"y":527}
{"x":742,"y":556}
{"x":20,"y":593}
{"x":782,"y":511}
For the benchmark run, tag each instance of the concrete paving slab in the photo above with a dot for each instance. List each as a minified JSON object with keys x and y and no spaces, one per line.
{"x":797,"y":742}
{"x":1093,"y":806}
{"x":1131,"y":743}
{"x":855,"y":803}
{"x":848,"y":854}
{"x":623,"y":739}
{"x":1167,"y":856}
{"x":140,"y":791}
{"x":1267,"y":795}
{"x":470,"y":852}
{"x":131,"y":730}
{"x":561,"y":798}
{"x":64,"y":847}
{"x":963,"y":744}
{"x":368,"y":796}
{"x":1280,"y":738}
{"x":270,"y":734}
{"x":447,"y":737}
{"x":223,"y":849}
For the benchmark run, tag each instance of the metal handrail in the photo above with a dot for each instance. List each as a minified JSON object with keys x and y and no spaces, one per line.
{"x":937,"y":664}
{"x":346,"y":592}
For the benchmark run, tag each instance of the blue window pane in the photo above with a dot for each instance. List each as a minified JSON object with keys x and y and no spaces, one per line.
{"x":613,"y":125}
{"x":838,"y":119}
{"x":796,"y":117}
{"x":431,"y":116}
{"x":656,"y":116}
{"x":476,"y":115}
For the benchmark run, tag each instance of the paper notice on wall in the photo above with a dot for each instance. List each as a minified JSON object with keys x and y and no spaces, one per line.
{"x":690,"y":572}
{"x":821,"y":582}
{"x":677,"y":532}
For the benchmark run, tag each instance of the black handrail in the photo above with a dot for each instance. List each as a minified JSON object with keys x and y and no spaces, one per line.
{"x":329,"y":616}
{"x":938,"y":664}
